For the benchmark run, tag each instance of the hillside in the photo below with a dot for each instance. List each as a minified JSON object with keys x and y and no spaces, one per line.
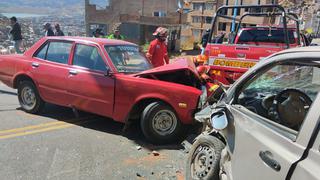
{"x":69,"y":7}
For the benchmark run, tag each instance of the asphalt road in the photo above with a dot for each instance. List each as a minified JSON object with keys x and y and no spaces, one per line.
{"x":56,"y":145}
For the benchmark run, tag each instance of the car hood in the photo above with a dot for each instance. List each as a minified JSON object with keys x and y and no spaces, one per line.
{"x":178,"y":64}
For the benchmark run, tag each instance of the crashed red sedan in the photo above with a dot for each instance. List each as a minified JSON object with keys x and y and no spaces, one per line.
{"x":109,"y":78}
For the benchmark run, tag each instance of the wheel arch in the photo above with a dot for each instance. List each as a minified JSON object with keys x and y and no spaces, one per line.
{"x":139,"y":106}
{"x":21,"y":77}
{"x":219,"y":136}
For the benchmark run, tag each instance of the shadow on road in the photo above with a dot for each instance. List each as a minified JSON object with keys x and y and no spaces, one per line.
{"x":103,"y":124}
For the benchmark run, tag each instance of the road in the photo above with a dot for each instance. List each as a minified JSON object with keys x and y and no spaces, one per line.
{"x":56,"y":145}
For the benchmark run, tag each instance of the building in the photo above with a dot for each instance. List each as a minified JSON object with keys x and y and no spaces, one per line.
{"x":201,"y":15}
{"x":137,"y":19}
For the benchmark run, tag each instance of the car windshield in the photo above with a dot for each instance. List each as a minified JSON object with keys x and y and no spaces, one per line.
{"x":264,"y":35}
{"x":127,"y":58}
{"x":304,"y":78}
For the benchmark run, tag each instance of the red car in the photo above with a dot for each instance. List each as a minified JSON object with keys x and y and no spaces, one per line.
{"x":106,"y":77}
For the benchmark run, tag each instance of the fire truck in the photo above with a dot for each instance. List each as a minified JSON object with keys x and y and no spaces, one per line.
{"x":247,"y":45}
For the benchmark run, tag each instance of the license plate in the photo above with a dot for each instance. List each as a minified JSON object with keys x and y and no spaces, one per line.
{"x":233,"y":63}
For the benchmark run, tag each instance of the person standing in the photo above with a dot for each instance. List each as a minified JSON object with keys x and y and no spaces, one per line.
{"x":16,"y":34}
{"x":116,"y":34}
{"x":58,"y":32}
{"x":204,"y":41}
{"x":47,"y":27}
{"x":157,"y":52}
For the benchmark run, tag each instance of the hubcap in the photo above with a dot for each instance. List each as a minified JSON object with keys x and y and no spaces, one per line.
{"x":164,"y":122}
{"x":28,"y":98}
{"x":202,"y":161}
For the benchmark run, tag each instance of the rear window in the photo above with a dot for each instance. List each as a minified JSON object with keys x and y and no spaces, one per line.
{"x":264,"y":35}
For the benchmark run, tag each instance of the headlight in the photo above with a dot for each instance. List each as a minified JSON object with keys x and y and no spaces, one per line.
{"x":203,"y":97}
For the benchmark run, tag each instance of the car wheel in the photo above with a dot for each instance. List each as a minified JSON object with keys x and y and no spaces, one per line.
{"x":160,"y":124}
{"x":204,"y":158}
{"x":29,"y":98}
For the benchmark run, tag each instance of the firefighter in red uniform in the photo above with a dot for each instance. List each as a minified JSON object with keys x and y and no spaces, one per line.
{"x":157,"y":53}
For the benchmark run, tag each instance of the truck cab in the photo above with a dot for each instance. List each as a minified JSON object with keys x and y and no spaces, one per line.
{"x":248,"y":45}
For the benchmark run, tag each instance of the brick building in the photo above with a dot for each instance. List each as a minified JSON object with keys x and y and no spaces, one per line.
{"x":137,"y":19}
{"x":201,"y":15}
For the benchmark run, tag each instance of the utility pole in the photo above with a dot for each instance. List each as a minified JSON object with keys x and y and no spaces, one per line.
{"x":235,"y":12}
{"x":142,"y":11}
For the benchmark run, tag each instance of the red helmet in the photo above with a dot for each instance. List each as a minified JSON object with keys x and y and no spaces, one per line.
{"x":161,"y":31}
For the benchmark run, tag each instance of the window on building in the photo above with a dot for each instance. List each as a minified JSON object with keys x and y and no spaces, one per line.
{"x":259,"y":2}
{"x":208,"y":20}
{"x":198,"y":6}
{"x":196,"y":33}
{"x":209,"y":6}
{"x":196,"y":19}
{"x":222,"y":26}
{"x":159,"y":14}
{"x":241,"y":2}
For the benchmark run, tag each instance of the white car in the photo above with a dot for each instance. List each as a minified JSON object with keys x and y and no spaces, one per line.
{"x":266,"y":126}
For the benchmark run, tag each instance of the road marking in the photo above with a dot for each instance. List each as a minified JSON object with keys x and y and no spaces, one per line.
{"x":42,"y":128}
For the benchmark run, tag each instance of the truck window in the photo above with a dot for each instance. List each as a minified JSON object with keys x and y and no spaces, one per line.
{"x":264,"y":35}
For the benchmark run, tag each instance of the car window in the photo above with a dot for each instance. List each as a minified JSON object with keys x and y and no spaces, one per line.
{"x":127,"y":58}
{"x":42,"y":53}
{"x":263,"y":35}
{"x":59,"y":52}
{"x":88,"y":57}
{"x":283,"y":94}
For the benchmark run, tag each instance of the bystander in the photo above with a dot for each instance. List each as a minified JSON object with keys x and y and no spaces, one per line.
{"x":16,"y":34}
{"x":58,"y":31}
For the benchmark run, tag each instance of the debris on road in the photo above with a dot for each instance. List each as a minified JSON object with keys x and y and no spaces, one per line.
{"x":138,"y":148}
{"x":155,"y":153}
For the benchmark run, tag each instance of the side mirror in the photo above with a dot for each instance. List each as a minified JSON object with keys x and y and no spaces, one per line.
{"x":219,"y":120}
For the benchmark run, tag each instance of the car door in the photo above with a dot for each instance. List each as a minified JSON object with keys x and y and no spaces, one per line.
{"x":88,"y":85}
{"x":50,"y":70}
{"x":308,"y":167}
{"x":268,"y":113}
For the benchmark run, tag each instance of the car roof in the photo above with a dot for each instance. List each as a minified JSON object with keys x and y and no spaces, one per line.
{"x":306,"y":49}
{"x":101,"y":41}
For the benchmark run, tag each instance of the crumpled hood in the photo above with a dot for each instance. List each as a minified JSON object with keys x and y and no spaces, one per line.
{"x":178,"y":64}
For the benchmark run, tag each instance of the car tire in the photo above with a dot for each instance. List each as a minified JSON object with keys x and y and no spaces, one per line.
{"x":29,"y":97}
{"x":160,"y":124}
{"x":204,"y":158}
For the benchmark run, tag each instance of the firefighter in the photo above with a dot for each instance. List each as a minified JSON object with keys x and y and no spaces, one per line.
{"x":157,"y":52}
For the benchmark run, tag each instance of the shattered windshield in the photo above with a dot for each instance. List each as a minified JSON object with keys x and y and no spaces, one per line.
{"x":304,"y":78}
{"x":127,"y":59}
